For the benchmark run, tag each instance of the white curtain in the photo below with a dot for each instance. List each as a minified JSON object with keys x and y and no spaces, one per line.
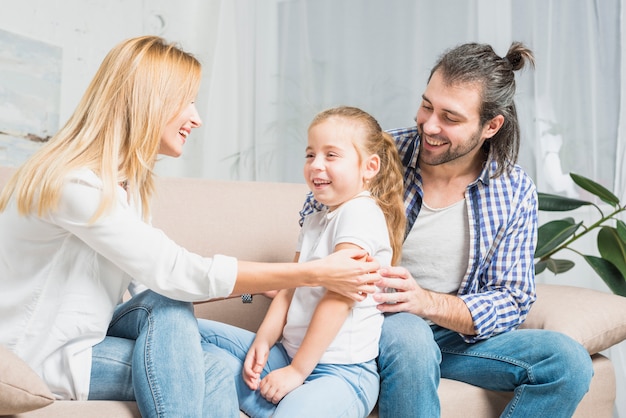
{"x":276,"y":63}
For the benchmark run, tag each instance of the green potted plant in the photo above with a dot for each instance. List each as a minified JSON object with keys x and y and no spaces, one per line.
{"x":554,"y":236}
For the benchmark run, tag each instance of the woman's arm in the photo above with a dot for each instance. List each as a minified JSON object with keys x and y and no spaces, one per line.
{"x":147,"y":255}
{"x":343,"y":272}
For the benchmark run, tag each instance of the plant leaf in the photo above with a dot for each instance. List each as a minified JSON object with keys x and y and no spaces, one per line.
{"x":554,"y":265}
{"x":621,"y":230}
{"x":608,"y":273}
{"x":559,"y":266}
{"x":540,"y":266}
{"x":550,"y":235}
{"x":594,"y":188}
{"x":554,"y":203}
{"x":612,"y":248}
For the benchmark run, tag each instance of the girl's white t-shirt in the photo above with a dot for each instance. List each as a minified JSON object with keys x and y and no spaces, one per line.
{"x":359,"y":221}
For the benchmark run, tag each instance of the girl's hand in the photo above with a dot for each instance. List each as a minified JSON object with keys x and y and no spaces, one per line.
{"x":254,"y":363}
{"x":279,"y":383}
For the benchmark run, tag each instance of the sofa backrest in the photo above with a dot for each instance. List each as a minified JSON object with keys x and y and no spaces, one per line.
{"x":252,"y":221}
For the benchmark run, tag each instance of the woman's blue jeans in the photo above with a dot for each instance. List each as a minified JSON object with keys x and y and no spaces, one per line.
{"x":547,"y":371}
{"x":331,"y":390}
{"x":152,"y":354}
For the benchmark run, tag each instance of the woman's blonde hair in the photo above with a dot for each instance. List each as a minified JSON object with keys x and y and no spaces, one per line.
{"x":116,"y":129}
{"x":387,"y":186}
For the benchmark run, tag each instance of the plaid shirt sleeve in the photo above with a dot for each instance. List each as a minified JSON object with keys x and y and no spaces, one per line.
{"x":310,"y":206}
{"x":500,"y":288}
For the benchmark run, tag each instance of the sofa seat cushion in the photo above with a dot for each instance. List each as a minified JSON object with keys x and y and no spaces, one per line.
{"x":84,"y":409}
{"x":21,"y":389}
{"x":595,"y":319}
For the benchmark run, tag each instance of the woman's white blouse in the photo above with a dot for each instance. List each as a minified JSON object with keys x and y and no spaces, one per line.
{"x":61,"y":278}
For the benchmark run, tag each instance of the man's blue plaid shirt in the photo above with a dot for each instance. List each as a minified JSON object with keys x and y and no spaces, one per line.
{"x":499,"y":286}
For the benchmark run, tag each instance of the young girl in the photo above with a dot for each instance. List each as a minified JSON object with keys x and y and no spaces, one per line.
{"x":326,"y":340}
{"x":74,"y":232}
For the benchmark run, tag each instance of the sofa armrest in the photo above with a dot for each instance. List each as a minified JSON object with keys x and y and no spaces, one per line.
{"x":595,"y":319}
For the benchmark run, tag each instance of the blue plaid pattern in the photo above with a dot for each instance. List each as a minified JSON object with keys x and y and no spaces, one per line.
{"x":499,"y":287}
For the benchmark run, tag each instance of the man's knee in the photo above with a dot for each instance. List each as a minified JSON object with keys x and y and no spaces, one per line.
{"x":407,"y":343}
{"x":569,"y":352}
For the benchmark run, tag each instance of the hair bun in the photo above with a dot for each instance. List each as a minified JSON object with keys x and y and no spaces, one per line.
{"x":517,"y":56}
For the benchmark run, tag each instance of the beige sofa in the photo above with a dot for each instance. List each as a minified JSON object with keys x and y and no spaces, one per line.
{"x":259,"y":221}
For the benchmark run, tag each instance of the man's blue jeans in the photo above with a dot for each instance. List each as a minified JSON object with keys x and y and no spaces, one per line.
{"x":548,"y":372}
{"x":152,"y":354}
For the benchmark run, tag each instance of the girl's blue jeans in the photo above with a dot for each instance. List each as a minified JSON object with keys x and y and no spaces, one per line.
{"x":547,"y":371}
{"x":332,"y":390}
{"x":152,"y":354}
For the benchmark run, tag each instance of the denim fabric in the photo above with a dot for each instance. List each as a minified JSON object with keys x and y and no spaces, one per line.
{"x":152,"y":354}
{"x":332,"y":390}
{"x":408,"y":363}
{"x":548,"y":372}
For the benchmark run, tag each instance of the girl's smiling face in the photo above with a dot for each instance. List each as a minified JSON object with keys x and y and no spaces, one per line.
{"x":334,"y":170}
{"x":178,"y":129}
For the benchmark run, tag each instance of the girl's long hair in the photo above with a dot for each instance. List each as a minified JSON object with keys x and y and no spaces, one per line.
{"x":116,"y":129}
{"x":387,"y":186}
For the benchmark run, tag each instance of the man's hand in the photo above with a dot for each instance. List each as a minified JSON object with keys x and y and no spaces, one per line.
{"x":448,"y":311}
{"x":407,"y":296}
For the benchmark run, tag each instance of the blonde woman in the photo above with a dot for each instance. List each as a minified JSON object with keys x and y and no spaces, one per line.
{"x":314,"y":354}
{"x":74,"y":234}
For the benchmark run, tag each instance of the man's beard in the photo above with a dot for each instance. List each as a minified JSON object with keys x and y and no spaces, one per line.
{"x":452,"y":153}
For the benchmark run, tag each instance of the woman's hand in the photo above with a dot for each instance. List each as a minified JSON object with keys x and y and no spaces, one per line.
{"x":349,"y":272}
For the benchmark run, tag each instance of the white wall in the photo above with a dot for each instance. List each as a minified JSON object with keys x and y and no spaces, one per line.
{"x":87,"y":29}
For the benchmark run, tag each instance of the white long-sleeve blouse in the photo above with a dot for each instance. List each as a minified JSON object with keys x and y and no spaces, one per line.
{"x":62,"y":277}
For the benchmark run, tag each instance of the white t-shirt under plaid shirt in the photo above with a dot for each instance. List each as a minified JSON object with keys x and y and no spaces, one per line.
{"x":499,"y":287}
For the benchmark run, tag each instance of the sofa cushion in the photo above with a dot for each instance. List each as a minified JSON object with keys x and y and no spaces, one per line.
{"x":595,"y":319}
{"x":21,"y":389}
